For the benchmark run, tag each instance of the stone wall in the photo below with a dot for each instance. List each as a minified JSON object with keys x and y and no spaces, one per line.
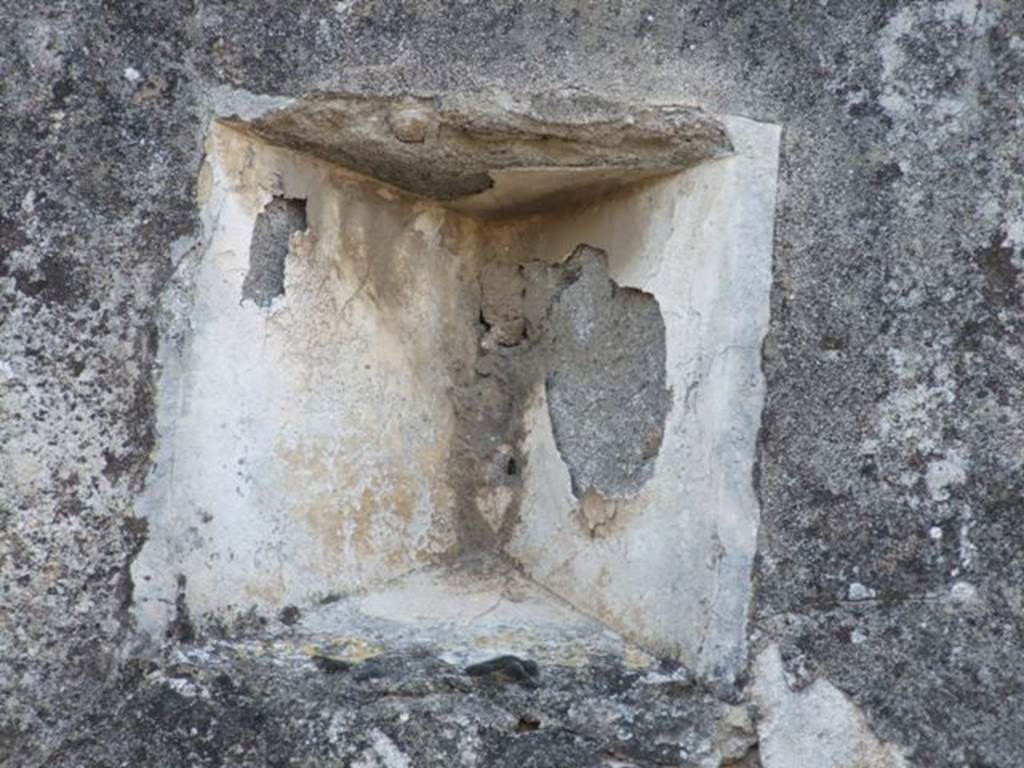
{"x":887,"y":584}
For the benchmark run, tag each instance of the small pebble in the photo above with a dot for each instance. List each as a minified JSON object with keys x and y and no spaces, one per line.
{"x":963,"y":592}
{"x":858,"y":591}
{"x":331,"y":665}
{"x":505,"y":668}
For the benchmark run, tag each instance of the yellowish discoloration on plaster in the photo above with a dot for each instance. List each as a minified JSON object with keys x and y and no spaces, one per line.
{"x":350,"y":649}
{"x":635,"y":658}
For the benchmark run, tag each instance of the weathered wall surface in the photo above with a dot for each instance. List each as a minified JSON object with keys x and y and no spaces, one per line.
{"x":891,"y":446}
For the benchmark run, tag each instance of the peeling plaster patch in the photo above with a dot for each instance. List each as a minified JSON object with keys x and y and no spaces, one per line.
{"x":817,"y":726}
{"x":672,"y":563}
{"x":301,"y":451}
{"x":1015,"y":233}
{"x":905,"y":96}
{"x":963,"y":593}
{"x":857,"y":591}
{"x":892,"y":56}
{"x":910,"y":410}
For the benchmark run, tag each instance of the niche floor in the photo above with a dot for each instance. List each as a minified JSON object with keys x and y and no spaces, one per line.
{"x":475,"y":611}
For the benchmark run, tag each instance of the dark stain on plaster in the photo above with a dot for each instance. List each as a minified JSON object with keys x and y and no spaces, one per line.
{"x":135,"y":531}
{"x":181,"y":628}
{"x":269,"y":249}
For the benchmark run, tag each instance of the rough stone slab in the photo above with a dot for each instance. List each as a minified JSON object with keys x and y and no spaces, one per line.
{"x":448,"y":147}
{"x":299,"y":700}
{"x":476,"y":667}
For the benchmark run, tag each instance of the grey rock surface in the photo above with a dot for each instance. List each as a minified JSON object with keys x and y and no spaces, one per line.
{"x":263,"y":703}
{"x":605,"y":379}
{"x":274,"y":226}
{"x":891,"y":450}
{"x":445,"y":147}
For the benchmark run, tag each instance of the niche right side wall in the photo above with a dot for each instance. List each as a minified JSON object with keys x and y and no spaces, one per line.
{"x":672,"y":568}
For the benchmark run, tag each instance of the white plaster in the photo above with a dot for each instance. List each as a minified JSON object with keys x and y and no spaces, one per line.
{"x":817,"y":726}
{"x":439,"y":597}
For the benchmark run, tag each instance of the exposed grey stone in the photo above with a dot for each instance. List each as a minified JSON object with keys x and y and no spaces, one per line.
{"x":274,"y":226}
{"x":599,"y":350}
{"x":605,"y":379}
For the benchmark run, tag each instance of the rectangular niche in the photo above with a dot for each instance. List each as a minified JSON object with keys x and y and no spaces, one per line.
{"x":422,"y":332}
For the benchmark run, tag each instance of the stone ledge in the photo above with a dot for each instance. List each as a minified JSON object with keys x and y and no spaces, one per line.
{"x":268,"y":701}
{"x":453,"y":148}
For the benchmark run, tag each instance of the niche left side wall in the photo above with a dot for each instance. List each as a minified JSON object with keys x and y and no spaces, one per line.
{"x":304,"y":433}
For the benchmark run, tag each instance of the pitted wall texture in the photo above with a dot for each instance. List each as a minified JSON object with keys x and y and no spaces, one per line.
{"x":891,"y":447}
